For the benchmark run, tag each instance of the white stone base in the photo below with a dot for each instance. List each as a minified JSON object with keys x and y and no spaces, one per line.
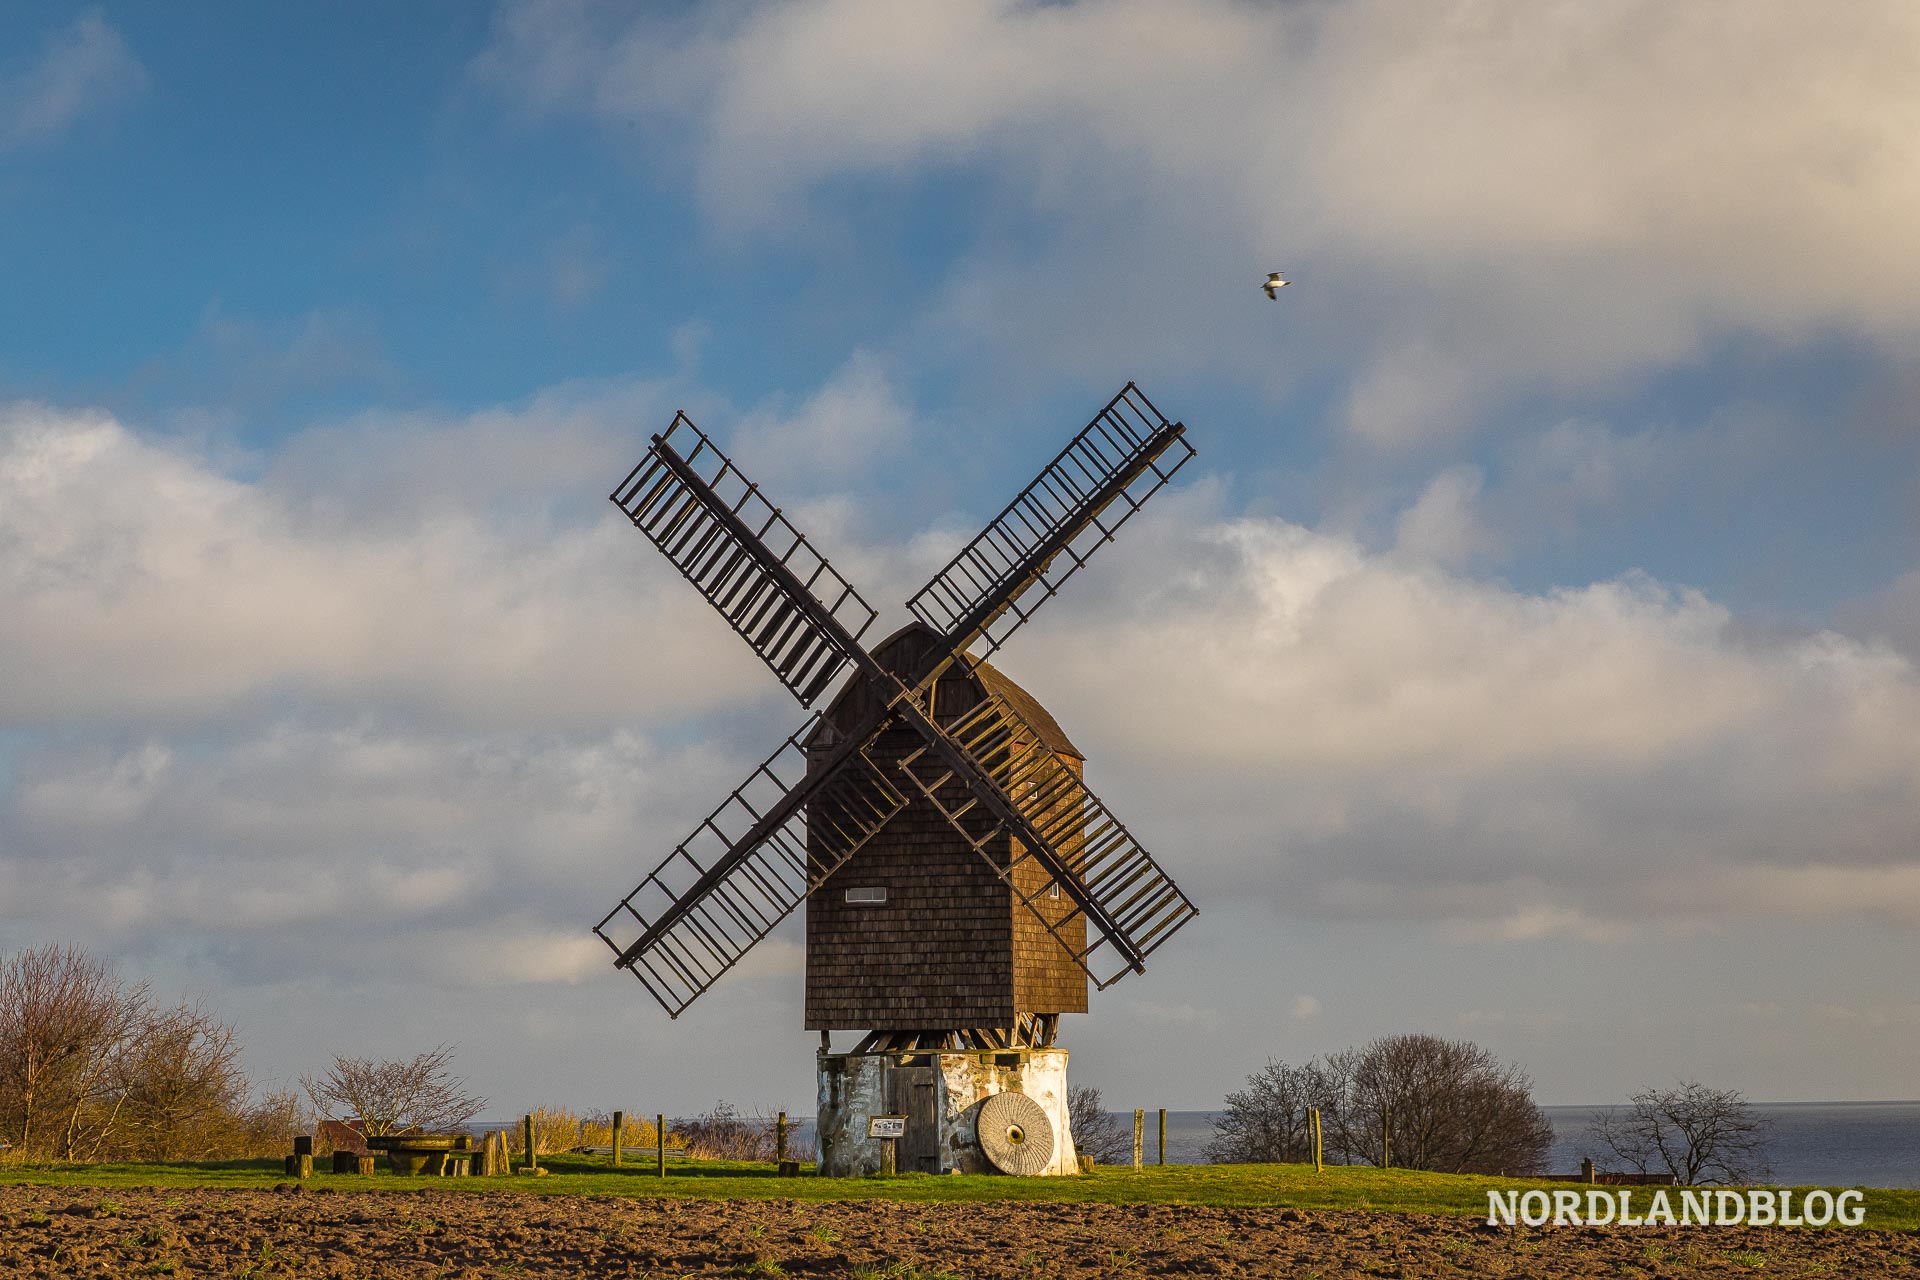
{"x":940,"y":1093}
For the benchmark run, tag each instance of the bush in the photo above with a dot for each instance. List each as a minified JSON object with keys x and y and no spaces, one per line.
{"x":91,"y":1069}
{"x":1268,"y":1121}
{"x":724,"y":1133}
{"x":557,"y":1129}
{"x":1097,"y":1132}
{"x":1454,"y":1108}
{"x":66,"y":1020}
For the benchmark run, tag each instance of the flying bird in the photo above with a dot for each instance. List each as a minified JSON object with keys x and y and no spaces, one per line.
{"x":1275,"y":283}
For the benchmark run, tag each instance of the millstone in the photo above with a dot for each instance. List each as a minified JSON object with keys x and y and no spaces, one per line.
{"x":1015,"y":1134}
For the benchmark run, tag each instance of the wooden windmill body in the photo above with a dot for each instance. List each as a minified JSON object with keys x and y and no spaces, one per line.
{"x":962,"y":884}
{"x":918,"y":936}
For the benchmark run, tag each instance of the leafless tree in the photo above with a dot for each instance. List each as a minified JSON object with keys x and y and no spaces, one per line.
{"x":1445,"y":1105}
{"x":1448,"y":1105}
{"x":393,"y":1096}
{"x":269,"y":1125}
{"x":1268,"y":1122}
{"x":1699,"y":1135}
{"x":181,"y":1091}
{"x":1097,"y":1132}
{"x":64,"y":1018}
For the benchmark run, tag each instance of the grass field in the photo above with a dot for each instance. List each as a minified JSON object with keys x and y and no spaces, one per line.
{"x":1296,"y":1186}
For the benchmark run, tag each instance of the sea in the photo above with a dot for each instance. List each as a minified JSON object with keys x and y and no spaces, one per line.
{"x":1829,"y":1144}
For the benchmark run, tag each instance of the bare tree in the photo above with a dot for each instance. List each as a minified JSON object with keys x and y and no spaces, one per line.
{"x":1420,"y":1102}
{"x":1449,"y":1106}
{"x":182,"y":1095}
{"x":393,"y":1096}
{"x":268,"y":1126}
{"x":1268,"y":1121}
{"x":1699,"y":1135}
{"x":1097,"y":1132}
{"x":64,"y":1016}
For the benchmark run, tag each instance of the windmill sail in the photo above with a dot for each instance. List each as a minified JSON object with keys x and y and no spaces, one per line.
{"x":1045,"y":534}
{"x":743,"y":870}
{"x":1130,"y":903}
{"x":817,"y":800}
{"x":791,"y":607}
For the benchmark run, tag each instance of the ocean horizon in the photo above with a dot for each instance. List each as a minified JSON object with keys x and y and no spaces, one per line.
{"x":1834,"y":1144}
{"x":1831,"y":1144}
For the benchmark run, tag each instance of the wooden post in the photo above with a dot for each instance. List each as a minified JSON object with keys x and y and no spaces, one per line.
{"x":660,"y":1143}
{"x":780,"y":1140}
{"x":1163,"y":1135}
{"x":533,"y":1156}
{"x":1587,"y":1171}
{"x":1139,"y":1138}
{"x":1315,"y":1115}
{"x":1386,"y":1137}
{"x":887,"y":1156}
{"x":619,"y":1121}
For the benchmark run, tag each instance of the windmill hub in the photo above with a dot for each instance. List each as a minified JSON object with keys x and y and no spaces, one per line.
{"x":962,"y":883}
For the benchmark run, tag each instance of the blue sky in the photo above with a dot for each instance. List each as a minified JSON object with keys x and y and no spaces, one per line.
{"x":1545,"y":598}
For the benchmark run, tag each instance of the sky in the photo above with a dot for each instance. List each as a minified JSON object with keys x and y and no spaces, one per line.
{"x":1528,"y":656}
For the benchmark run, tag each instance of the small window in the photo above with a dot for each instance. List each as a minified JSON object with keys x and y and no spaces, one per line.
{"x":875,"y":894}
{"x":1053,"y":890}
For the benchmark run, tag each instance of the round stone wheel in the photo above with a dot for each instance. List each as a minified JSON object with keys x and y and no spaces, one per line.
{"x":1015,"y":1134}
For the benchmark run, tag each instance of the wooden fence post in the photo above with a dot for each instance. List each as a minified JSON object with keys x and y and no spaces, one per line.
{"x":1163,"y":1135}
{"x":780,"y":1140}
{"x":660,"y":1143}
{"x":533,"y":1156}
{"x":1139,"y":1138}
{"x":1386,"y":1137}
{"x":619,"y":1123}
{"x":1315,"y":1114}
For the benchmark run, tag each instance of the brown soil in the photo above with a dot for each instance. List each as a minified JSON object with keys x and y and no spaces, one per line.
{"x":293,"y":1231}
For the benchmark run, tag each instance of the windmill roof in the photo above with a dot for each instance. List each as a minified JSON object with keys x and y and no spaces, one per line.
{"x":897,"y":650}
{"x":1052,"y":736}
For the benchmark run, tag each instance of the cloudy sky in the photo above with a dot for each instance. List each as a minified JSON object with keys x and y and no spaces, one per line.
{"x":1529,"y":655}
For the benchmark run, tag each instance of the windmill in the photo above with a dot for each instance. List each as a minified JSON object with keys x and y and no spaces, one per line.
{"x":963,"y":883}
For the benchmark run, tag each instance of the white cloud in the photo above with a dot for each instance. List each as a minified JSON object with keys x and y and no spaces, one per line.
{"x":369,"y":568}
{"x":1361,"y":736}
{"x":1306,"y":1007}
{"x":82,"y":68}
{"x":1443,"y":524}
{"x":856,"y":418}
{"x":1478,"y":200}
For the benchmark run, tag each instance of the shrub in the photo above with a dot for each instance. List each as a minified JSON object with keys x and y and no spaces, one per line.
{"x":1453,"y":1107}
{"x":1097,"y":1132}
{"x":724,"y":1133}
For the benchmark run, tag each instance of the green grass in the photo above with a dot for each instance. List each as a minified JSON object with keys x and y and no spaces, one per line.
{"x":1339,"y":1187}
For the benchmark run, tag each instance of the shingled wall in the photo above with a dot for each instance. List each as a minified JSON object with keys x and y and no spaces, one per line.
{"x":951,"y":946}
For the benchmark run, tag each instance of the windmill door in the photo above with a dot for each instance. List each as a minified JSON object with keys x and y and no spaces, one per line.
{"x":914,"y":1094}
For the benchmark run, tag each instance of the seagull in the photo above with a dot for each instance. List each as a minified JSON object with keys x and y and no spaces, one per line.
{"x":1275,"y":283}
